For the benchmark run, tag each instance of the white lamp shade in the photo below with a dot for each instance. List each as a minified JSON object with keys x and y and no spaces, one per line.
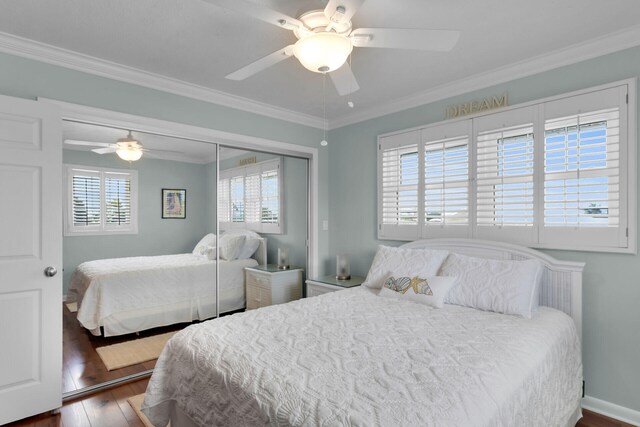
{"x":130,"y":154}
{"x":322,"y":52}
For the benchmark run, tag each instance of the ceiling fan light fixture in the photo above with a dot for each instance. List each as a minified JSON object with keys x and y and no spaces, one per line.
{"x":130,"y":154}
{"x":322,"y":52}
{"x":129,"y":148}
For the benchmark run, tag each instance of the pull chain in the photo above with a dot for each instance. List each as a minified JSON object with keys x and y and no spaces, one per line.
{"x":324,"y":110}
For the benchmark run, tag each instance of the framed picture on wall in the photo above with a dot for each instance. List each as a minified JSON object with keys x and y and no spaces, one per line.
{"x":174,"y":203}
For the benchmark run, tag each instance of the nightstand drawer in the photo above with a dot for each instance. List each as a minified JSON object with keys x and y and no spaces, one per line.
{"x":257,"y":297}
{"x":257,"y":279}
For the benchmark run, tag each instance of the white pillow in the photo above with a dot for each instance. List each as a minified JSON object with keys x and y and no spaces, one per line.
{"x":503,"y":286}
{"x":430,"y":291}
{"x":403,"y":262}
{"x":208,"y":240}
{"x":249,"y":248}
{"x":230,"y":246}
{"x":251,"y":244}
{"x":210,"y":252}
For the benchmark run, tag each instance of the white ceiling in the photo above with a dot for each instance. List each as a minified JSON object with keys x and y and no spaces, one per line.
{"x":196,"y":42}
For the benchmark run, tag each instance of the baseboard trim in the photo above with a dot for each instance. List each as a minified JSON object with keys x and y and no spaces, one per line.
{"x":611,"y":410}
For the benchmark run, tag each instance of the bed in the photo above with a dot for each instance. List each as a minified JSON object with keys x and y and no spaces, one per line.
{"x":354,"y":358}
{"x":127,"y":295}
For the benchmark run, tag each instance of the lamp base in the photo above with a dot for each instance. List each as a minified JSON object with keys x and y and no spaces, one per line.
{"x":284,"y":267}
{"x":343,"y":277}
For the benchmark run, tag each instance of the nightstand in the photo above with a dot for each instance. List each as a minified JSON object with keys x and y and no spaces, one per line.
{"x":267,"y":285}
{"x":326,"y":284}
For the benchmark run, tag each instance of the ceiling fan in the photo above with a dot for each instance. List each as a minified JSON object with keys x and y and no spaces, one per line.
{"x":127,"y":148}
{"x":326,"y":39}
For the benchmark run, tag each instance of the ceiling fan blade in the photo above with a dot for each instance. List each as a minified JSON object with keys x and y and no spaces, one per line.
{"x":344,"y":80}
{"x":259,"y":12}
{"x":335,"y":14}
{"x":261,"y":64}
{"x":104,"y":150}
{"x":85,"y":143}
{"x":417,"y":39}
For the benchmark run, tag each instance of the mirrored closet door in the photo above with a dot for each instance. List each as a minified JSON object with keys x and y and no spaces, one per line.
{"x":162,"y":232}
{"x":138,"y":249}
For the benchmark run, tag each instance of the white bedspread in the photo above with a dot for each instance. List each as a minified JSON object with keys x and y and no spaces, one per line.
{"x":168,"y":289}
{"x":353,"y":358}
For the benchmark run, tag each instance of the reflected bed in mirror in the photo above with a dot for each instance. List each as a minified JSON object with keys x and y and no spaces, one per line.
{"x":132,"y":294}
{"x":117,"y":245}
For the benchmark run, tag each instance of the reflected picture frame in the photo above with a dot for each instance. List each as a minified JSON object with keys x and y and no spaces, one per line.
{"x":174,"y":203}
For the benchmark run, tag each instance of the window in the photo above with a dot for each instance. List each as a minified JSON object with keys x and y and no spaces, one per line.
{"x":100,"y":201}
{"x":250,"y":197}
{"x":551,"y":174}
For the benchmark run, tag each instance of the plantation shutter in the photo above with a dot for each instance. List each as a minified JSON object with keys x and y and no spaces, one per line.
{"x":399,"y":185}
{"x":117,"y":197}
{"x":85,"y":199}
{"x":505,"y":176}
{"x":224,"y":200}
{"x":252,"y":197}
{"x":271,"y":203}
{"x":446,"y":180}
{"x":236,"y":187}
{"x":584,"y":178}
{"x":100,"y":201}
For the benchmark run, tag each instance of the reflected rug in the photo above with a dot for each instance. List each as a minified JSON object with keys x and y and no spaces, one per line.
{"x":129,"y":353}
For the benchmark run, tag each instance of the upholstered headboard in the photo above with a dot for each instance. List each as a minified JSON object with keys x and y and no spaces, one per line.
{"x":561,"y":286}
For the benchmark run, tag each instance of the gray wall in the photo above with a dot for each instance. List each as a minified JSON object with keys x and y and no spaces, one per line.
{"x":295,"y":192}
{"x":156,"y":236}
{"x":611,"y":343}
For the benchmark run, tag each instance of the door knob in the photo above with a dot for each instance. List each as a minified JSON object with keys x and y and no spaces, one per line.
{"x":50,"y":271}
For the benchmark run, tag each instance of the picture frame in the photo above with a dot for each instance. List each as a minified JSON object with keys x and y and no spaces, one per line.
{"x":174,"y":203}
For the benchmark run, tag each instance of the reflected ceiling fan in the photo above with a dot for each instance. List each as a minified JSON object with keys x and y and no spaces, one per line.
{"x":127,"y":148}
{"x":326,"y":39}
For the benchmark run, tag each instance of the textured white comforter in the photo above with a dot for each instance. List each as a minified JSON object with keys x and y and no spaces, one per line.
{"x":354,"y":358}
{"x":109,"y":289}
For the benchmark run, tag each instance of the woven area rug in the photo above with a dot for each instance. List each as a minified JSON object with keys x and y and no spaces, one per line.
{"x":133,"y":352}
{"x":72,"y":307}
{"x":136,"y":403}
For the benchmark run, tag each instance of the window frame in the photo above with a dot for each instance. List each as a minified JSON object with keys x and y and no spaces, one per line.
{"x":103,"y":229}
{"x":244,"y":171}
{"x":628,"y":175}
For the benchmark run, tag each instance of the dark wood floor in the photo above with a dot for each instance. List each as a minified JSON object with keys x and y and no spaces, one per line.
{"x":82,"y":367}
{"x":104,"y":409}
{"x":591,"y":419}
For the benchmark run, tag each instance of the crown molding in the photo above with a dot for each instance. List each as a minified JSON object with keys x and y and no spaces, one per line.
{"x":53,"y":55}
{"x":612,"y":42}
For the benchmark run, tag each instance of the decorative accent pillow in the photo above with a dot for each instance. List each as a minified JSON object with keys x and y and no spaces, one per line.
{"x":430,"y":291}
{"x":403,"y":262}
{"x":230,"y":246}
{"x":206,"y":241}
{"x":503,"y":286}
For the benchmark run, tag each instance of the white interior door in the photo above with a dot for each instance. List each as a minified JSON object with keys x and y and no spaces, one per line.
{"x":30,"y":241}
